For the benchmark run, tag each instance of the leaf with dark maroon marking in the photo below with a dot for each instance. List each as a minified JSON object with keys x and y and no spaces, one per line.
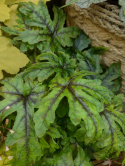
{"x":113,"y":137}
{"x":82,"y":158}
{"x":59,"y":64}
{"x":35,"y":27}
{"x":90,"y":60}
{"x":86,"y":100}
{"x":65,"y":156}
{"x":21,"y":97}
{"x":46,"y":113}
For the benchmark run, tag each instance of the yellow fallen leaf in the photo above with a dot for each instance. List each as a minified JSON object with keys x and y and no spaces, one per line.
{"x":0,"y":31}
{"x":13,"y":16}
{"x":11,"y":59}
{"x":8,"y":2}
{"x":34,"y":1}
{"x":4,"y":11}
{"x":46,"y":0}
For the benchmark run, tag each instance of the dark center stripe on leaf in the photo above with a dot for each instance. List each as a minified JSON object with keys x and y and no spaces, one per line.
{"x":27,"y":129}
{"x":53,"y":101}
{"x":11,"y":104}
{"x":110,"y":127}
{"x":85,"y":107}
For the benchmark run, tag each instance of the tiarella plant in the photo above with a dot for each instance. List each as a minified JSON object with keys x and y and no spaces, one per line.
{"x":66,"y":106}
{"x":35,"y":28}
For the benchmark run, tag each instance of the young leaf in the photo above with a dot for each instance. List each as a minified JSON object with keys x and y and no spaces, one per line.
{"x":117,"y":102}
{"x":81,"y":42}
{"x":51,"y":63}
{"x":21,"y":97}
{"x":90,"y":60}
{"x":85,"y":98}
{"x":53,"y":132}
{"x":111,"y":78}
{"x":36,"y":27}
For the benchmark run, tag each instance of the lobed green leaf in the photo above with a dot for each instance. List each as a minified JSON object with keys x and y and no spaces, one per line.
{"x":21,"y":97}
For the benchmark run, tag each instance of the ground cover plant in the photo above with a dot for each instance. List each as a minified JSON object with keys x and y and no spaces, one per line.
{"x":63,"y":107}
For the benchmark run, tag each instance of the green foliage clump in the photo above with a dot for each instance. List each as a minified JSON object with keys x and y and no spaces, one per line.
{"x":36,"y":29}
{"x":66,"y":104}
